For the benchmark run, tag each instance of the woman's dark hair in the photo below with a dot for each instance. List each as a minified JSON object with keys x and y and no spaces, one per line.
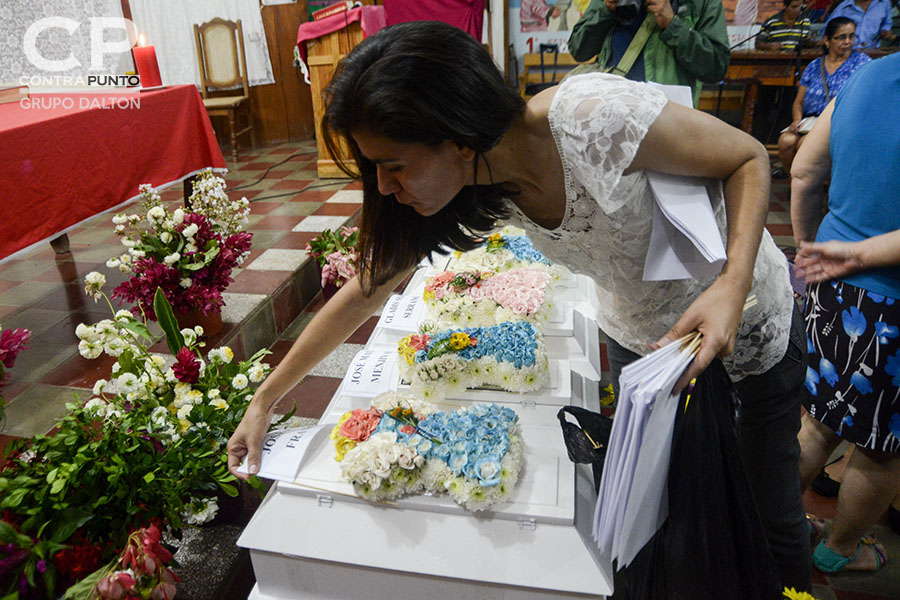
{"x":836,"y":23}
{"x":423,"y":82}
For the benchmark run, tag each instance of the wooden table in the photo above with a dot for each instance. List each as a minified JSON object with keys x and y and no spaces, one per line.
{"x":769,"y":67}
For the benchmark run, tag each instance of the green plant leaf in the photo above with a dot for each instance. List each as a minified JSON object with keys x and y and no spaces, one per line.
{"x":229,"y":489}
{"x":167,"y":321}
{"x":138,"y":329}
{"x":148,"y":477}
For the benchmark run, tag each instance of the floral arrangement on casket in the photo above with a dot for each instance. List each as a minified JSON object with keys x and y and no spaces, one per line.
{"x":402,"y":445}
{"x":147,"y":447}
{"x":484,"y":298}
{"x":507,"y":249}
{"x":189,"y":253}
{"x":510,"y":356}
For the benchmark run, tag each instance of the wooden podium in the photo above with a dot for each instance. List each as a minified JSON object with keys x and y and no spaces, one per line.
{"x":324,"y":53}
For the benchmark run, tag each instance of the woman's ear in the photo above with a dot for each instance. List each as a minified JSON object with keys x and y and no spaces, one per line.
{"x":465,"y":152}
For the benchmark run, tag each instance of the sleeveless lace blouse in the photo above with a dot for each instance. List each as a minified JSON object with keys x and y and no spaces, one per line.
{"x":598,"y":122}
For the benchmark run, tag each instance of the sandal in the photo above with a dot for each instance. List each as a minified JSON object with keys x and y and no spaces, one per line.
{"x":828,"y":561}
{"x":824,"y":485}
{"x":816,"y":529}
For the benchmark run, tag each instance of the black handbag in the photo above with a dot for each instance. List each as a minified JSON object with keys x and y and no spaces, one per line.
{"x":586,"y":442}
{"x":534,"y":88}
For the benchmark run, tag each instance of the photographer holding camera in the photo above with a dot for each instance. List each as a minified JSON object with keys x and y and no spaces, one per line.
{"x":678,"y":42}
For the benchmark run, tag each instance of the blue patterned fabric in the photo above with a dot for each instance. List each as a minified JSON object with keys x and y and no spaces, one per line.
{"x":814,"y":102}
{"x":853,"y":377}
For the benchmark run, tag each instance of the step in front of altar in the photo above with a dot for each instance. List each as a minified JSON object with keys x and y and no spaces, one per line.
{"x":537,"y":542}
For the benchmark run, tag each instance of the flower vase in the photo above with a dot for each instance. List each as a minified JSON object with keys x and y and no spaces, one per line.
{"x":211,"y":323}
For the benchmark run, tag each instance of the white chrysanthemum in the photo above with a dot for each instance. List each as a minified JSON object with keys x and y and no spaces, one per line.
{"x":257,"y":373}
{"x":159,"y":416}
{"x":95,"y":407}
{"x":113,"y":263}
{"x":87,"y":333}
{"x":219,"y":403}
{"x":204,"y":515}
{"x":224,"y":354}
{"x":136,"y":253}
{"x":170,"y":376}
{"x":190,"y":231}
{"x":186,"y":282}
{"x":171,"y":259}
{"x":240,"y":381}
{"x":119,"y":219}
{"x":184,"y":411}
{"x":178,"y":216}
{"x":127,"y":383}
{"x":190,"y":247}
{"x":165,"y":237}
{"x":213,"y":393}
{"x":90,"y":350}
{"x":116,"y":367}
{"x":99,"y":387}
{"x":114,"y":346}
{"x":157,"y":213}
{"x":198,"y":331}
{"x":128,"y":242}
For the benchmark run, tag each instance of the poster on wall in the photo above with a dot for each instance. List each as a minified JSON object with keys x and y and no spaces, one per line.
{"x":536,"y":22}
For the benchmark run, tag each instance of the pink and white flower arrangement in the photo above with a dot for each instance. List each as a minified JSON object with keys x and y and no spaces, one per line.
{"x":189,"y":253}
{"x":483,"y":298}
{"x":140,"y":571}
{"x":336,"y":254}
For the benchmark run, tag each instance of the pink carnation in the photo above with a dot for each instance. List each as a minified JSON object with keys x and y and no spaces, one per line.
{"x":361,"y":423}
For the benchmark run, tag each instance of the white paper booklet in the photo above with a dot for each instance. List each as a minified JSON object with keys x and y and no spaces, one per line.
{"x":685,"y":240}
{"x":631,"y":504}
{"x":283,"y":452}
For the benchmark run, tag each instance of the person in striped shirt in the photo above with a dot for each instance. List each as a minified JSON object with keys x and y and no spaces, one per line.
{"x":784,"y":30}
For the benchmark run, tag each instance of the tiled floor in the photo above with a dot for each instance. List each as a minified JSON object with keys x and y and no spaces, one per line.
{"x":267,"y":306}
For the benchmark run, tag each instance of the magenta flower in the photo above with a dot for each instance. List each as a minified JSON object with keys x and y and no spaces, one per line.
{"x":186,"y":367}
{"x":12,"y":341}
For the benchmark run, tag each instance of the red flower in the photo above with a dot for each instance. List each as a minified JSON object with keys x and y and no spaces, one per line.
{"x":186,"y":367}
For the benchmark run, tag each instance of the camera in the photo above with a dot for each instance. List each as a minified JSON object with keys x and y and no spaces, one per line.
{"x":628,"y":10}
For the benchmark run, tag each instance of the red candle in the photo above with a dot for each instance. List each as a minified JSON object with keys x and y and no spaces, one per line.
{"x":147,"y":66}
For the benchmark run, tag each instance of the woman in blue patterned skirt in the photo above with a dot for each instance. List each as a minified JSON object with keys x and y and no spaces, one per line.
{"x":853,"y":306}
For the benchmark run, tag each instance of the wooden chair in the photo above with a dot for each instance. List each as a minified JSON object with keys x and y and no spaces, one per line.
{"x":218,"y":44}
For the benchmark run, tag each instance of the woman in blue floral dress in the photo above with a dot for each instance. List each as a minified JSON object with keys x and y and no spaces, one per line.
{"x":853,"y":306}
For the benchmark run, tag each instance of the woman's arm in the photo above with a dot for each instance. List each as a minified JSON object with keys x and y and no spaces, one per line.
{"x":823,"y":261}
{"x":809,"y":170}
{"x":333,"y":324}
{"x":797,"y":107}
{"x":689,"y":142}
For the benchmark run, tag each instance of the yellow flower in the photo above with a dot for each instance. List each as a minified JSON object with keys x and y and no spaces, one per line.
{"x":227,"y":354}
{"x":608,"y":399}
{"x":457,"y":254}
{"x":792,"y":594}
{"x":459,"y":340}
{"x":428,"y":295}
{"x":219,"y":403}
{"x":342,"y":446}
{"x":495,"y":237}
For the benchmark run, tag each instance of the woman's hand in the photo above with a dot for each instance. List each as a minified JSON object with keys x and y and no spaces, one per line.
{"x":716,"y":313}
{"x":792,"y":128}
{"x":817,"y":262}
{"x":247,"y":441}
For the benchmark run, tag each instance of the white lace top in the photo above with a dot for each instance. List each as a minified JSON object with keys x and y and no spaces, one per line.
{"x":598,"y":122}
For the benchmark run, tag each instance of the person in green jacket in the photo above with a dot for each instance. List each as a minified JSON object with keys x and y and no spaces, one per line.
{"x":688,"y":43}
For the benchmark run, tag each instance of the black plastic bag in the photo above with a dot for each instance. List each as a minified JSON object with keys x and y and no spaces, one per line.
{"x":586,"y":442}
{"x":712,"y":545}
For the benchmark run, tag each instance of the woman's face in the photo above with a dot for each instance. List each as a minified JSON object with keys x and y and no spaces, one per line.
{"x":842,"y":41}
{"x":424,"y":177}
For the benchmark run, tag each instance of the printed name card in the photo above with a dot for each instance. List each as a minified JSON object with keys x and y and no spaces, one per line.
{"x":283,"y":451}
{"x":402,"y":313}
{"x":371,"y":372}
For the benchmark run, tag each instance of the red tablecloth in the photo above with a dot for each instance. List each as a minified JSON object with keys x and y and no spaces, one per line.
{"x":65,"y":158}
{"x":371,"y":20}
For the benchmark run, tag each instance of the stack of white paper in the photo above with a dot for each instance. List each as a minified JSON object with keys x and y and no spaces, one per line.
{"x":631,"y":505}
{"x":685,"y":241}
